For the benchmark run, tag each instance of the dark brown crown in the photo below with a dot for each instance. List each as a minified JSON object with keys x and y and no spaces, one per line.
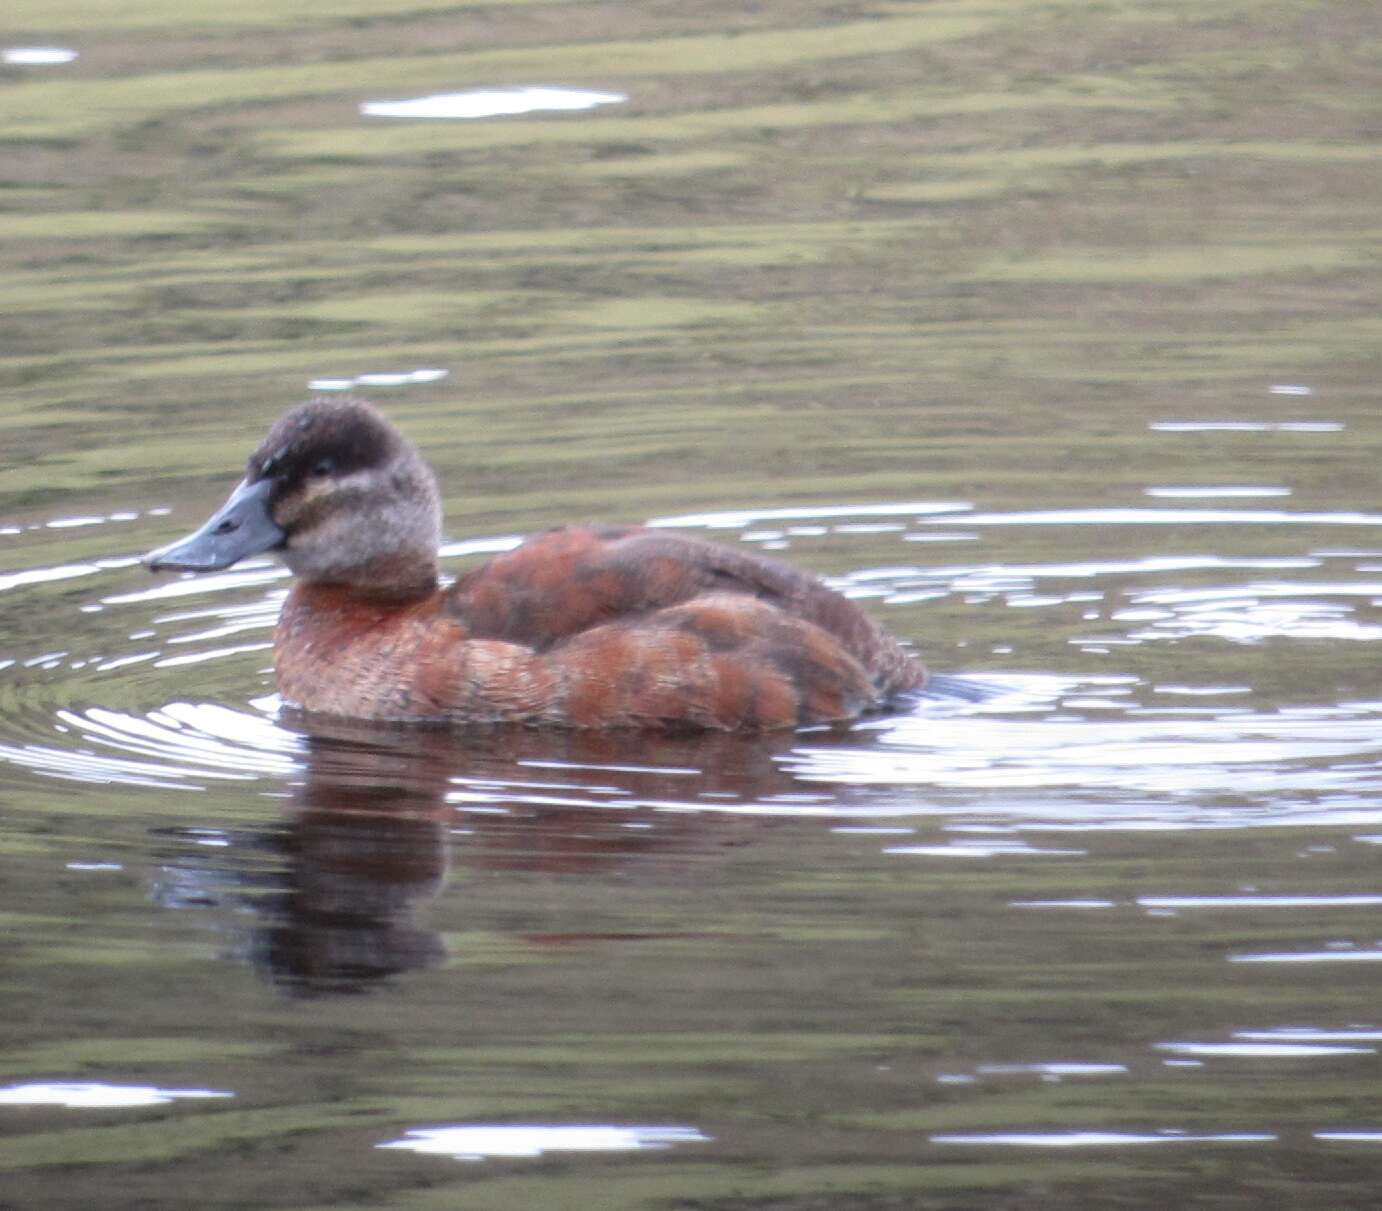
{"x":325,"y":436}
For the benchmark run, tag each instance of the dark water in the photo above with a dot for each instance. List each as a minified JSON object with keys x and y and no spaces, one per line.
{"x":1049,"y":332}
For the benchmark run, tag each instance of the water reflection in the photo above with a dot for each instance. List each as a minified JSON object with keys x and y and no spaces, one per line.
{"x":491,"y":102}
{"x":1165,"y":517}
{"x":1311,"y":1034}
{"x":1065,"y":753}
{"x":375,"y":816}
{"x":401,"y":378}
{"x":1345,"y":955}
{"x":1289,"y":767}
{"x":1101,"y":1139}
{"x":96,"y":1095}
{"x":1318,"y":901}
{"x":1264,"y":1051}
{"x":337,"y":886}
{"x":483,"y":1141}
{"x":973,"y":849}
{"x":334,"y":886}
{"x":1192,"y":493}
{"x":1246,"y":426}
{"x":1052,"y":1070}
{"x":37,"y":56}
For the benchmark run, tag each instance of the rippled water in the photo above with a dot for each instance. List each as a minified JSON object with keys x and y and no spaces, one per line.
{"x":1098,"y":811}
{"x":1048,"y":336}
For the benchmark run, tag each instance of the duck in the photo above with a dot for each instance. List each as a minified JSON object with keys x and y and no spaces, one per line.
{"x":578,"y":627}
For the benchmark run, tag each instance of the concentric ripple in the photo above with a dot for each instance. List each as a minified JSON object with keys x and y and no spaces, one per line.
{"x":165,"y":683}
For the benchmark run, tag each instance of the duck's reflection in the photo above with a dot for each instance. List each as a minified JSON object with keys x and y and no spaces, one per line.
{"x":335,"y":888}
{"x":343,"y":916}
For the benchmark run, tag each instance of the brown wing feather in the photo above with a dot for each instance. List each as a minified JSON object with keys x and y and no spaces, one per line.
{"x":723,"y":660}
{"x":597,"y":629}
{"x":563,"y":583}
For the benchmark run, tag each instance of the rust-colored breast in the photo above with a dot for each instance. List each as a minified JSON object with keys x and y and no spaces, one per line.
{"x":336,"y":653}
{"x":595,"y":628}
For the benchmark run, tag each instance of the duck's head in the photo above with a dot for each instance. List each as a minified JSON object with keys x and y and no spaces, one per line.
{"x":338,"y":494}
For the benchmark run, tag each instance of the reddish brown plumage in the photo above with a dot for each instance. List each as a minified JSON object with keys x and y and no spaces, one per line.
{"x":596,"y":628}
{"x":582,"y":628}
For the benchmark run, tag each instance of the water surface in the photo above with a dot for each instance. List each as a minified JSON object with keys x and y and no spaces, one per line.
{"x":1050,"y":335}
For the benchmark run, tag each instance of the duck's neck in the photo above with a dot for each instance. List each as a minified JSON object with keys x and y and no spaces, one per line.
{"x":376,"y":552}
{"x":387,"y":579}
{"x":343,"y":652}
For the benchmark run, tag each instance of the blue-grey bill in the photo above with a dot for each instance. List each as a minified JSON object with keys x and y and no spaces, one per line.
{"x":242,"y":527}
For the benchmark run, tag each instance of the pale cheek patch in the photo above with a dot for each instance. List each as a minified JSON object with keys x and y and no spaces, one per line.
{"x":337,"y":533}
{"x":370,"y":527}
{"x":314,"y":498}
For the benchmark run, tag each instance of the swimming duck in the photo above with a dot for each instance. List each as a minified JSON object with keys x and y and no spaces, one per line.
{"x":579,"y":627}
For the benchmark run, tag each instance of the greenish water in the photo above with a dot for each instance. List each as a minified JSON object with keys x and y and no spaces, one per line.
{"x":1049,"y":330}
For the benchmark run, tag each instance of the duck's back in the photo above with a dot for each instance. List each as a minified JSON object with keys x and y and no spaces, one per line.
{"x":613,"y":627}
{"x":565,"y":581}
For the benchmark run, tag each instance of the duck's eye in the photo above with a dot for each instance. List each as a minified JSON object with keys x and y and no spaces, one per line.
{"x":323,"y":466}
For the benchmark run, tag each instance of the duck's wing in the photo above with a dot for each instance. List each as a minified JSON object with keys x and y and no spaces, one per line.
{"x":722,"y":661}
{"x":563,"y":583}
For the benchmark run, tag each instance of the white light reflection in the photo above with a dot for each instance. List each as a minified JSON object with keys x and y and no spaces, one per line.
{"x":1203,"y":691}
{"x":107,"y":666}
{"x":491,"y":103}
{"x":1306,"y":766}
{"x":1099,"y":1139}
{"x":247,"y":575}
{"x":168,"y":662}
{"x":481,"y":1141}
{"x":1309,"y":1034}
{"x":37,"y":56}
{"x":1018,"y":583}
{"x":181,"y":745}
{"x":86,"y":1095}
{"x":1249,"y":613}
{"x":1206,"y":492}
{"x":479,"y":546}
{"x":1058,"y":1068}
{"x":1358,"y":901}
{"x":1246,"y":426}
{"x":871,"y":830}
{"x":15,"y":580}
{"x":403,"y":378}
{"x":966,"y":850}
{"x":1311,"y":956}
{"x":735,"y":519}
{"x":1263,"y":1051}
{"x":1163,"y":517}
